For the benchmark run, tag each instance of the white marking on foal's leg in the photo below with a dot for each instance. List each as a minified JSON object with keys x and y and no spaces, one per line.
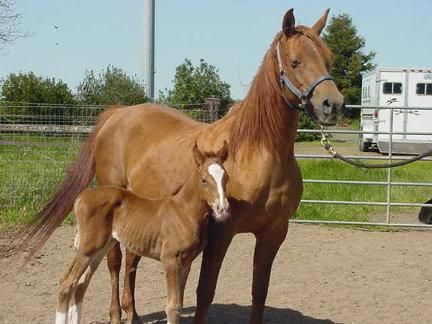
{"x":74,"y":314}
{"x":60,"y":318}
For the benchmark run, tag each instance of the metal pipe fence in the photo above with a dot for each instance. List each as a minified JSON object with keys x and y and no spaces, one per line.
{"x":38,"y":141}
{"x":389,"y":184}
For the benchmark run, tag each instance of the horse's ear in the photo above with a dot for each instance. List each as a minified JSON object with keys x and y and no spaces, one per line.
{"x":223,"y":152}
{"x":288,"y":23}
{"x":320,"y":24}
{"x":198,"y":156}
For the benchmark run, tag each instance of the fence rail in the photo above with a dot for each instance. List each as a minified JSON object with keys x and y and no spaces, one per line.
{"x":38,"y":141}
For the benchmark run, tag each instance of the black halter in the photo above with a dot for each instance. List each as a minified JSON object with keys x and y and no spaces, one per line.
{"x":302,"y":96}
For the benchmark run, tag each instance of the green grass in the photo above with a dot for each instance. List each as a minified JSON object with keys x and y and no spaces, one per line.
{"x":336,"y":170}
{"x":29,"y":175}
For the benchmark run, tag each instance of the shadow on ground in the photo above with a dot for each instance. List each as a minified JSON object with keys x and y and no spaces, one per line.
{"x":236,"y":314}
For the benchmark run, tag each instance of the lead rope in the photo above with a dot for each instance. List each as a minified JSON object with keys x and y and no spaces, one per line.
{"x":325,"y":142}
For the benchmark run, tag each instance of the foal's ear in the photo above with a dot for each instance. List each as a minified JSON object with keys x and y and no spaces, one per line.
{"x":223,"y":152}
{"x":288,"y":23}
{"x":198,"y":156}
{"x":320,"y":24}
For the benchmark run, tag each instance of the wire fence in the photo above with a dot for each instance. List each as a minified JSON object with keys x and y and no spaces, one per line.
{"x":37,"y":142}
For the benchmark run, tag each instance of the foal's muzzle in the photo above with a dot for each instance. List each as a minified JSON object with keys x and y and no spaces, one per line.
{"x":221,"y":211}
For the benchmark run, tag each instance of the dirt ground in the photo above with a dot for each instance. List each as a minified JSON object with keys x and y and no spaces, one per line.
{"x":321,"y":275}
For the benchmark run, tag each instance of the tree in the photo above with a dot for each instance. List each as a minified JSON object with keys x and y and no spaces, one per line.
{"x":30,"y":88}
{"x":193,"y":84}
{"x":349,"y":60}
{"x":35,"y":96}
{"x":9,"y":23}
{"x":111,"y":87}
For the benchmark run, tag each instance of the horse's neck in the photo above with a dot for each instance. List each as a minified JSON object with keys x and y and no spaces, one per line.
{"x":189,"y":199}
{"x":263,"y":120}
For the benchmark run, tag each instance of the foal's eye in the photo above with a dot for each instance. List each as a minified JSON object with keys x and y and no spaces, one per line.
{"x":295,"y":64}
{"x":204,"y":181}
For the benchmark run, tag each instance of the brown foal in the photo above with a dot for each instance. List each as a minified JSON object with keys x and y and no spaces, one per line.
{"x":172,"y":230}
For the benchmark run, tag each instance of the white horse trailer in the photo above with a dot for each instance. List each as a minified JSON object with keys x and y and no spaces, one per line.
{"x":405,"y":90}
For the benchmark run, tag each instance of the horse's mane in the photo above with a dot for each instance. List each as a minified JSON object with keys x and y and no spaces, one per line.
{"x":258,"y":119}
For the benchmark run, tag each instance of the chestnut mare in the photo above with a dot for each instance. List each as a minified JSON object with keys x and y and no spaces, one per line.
{"x":143,"y":146}
{"x":172,"y":230}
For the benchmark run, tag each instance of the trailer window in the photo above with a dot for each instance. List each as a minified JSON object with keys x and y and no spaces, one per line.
{"x":424,"y":89}
{"x":392,"y":88}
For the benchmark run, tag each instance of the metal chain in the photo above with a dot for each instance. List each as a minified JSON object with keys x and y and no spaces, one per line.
{"x":325,"y":142}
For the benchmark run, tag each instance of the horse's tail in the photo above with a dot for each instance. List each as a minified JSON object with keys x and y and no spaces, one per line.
{"x":78,"y":177}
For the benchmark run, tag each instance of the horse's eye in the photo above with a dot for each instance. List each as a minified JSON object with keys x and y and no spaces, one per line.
{"x":204,"y":181}
{"x":295,"y":64}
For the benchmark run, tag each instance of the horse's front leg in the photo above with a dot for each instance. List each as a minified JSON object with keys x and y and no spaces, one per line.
{"x":114,"y":258}
{"x":128,"y":300}
{"x":266,"y":248}
{"x":219,"y":239}
{"x":174,"y":294}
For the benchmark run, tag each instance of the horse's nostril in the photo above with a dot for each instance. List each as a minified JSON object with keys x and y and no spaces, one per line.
{"x":328,"y":107}
{"x":326,"y":103}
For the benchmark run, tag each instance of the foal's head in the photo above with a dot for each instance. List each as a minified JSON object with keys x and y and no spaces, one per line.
{"x":212,"y":179}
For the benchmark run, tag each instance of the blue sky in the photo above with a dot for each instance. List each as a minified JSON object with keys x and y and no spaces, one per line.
{"x":233,"y":35}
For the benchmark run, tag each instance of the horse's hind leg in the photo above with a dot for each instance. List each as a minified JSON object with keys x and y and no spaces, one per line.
{"x":68,"y":284}
{"x":266,"y":248}
{"x":128,"y":300}
{"x":114,"y":258}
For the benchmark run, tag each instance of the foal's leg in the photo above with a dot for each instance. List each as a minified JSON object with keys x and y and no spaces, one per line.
{"x":173,"y":279}
{"x":128,"y":300}
{"x":114,"y":258}
{"x":84,"y":281}
{"x":266,"y":248}
{"x":184,"y":274}
{"x":219,"y":239}
{"x":68,"y":284}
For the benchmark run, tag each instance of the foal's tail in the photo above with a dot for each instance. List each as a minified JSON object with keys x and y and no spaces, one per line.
{"x":78,"y":177}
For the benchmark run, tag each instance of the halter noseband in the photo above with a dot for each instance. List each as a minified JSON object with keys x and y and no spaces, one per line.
{"x":284,"y":81}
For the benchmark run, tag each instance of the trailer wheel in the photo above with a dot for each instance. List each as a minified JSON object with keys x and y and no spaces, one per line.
{"x":364,"y":146}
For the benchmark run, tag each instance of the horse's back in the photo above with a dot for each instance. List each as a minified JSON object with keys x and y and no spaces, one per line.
{"x":137,"y":146}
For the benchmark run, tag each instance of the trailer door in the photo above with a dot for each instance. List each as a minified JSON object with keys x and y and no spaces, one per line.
{"x":392,"y":93}
{"x":419,"y":95}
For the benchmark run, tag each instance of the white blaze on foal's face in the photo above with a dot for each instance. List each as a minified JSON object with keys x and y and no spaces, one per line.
{"x":220,"y":205}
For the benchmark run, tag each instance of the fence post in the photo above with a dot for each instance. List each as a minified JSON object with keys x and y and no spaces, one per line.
{"x":211,"y":109}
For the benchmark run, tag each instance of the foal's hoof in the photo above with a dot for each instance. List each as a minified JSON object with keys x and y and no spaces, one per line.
{"x":133,"y":319}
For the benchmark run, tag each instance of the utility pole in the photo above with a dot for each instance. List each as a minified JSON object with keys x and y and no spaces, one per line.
{"x":149,"y":46}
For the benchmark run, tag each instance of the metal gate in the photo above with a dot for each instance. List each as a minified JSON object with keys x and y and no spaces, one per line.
{"x":389,"y":183}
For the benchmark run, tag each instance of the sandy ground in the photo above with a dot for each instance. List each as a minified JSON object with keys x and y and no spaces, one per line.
{"x":321,"y":275}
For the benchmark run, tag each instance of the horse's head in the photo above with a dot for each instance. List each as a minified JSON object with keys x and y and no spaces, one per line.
{"x":304,"y":64}
{"x":213,"y":179}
